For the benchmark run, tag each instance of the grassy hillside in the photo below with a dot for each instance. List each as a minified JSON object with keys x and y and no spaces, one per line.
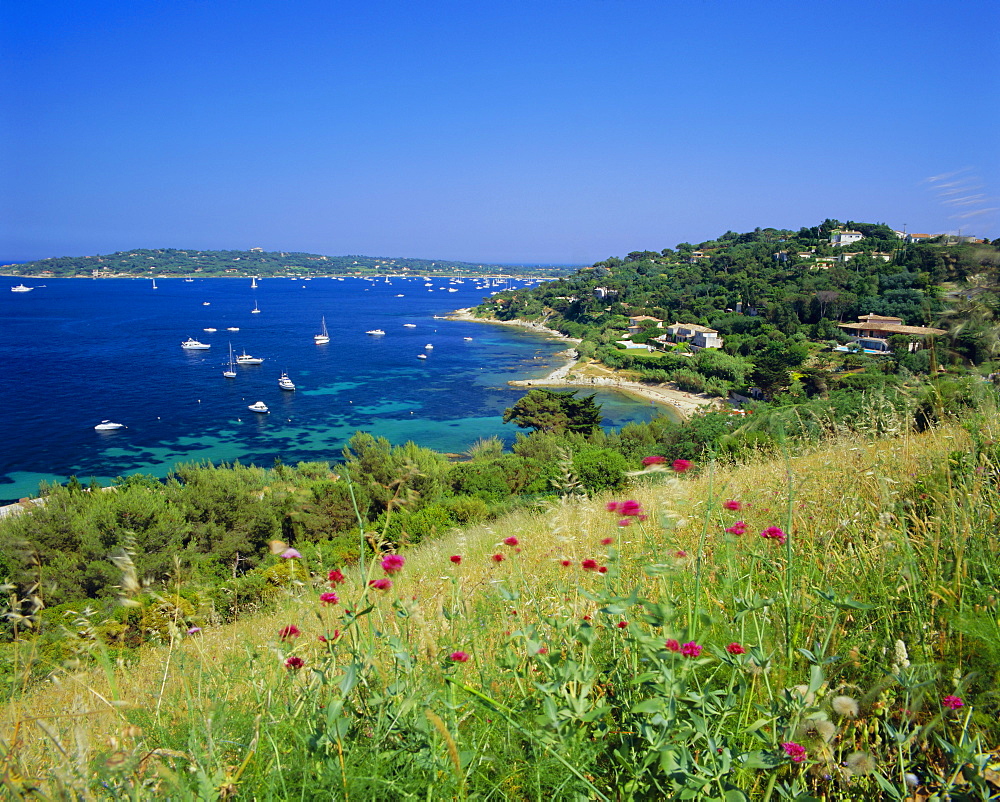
{"x":852,"y":652}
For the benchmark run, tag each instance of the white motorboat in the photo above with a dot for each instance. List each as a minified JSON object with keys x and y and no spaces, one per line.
{"x":260,"y":406}
{"x":375,"y":332}
{"x":323,"y":336}
{"x":231,"y":373}
{"x":189,"y":281}
{"x":428,"y":346}
{"x":21,"y":288}
{"x":107,"y":426}
{"x":285,"y":383}
{"x":191,"y":344}
{"x":409,"y":325}
{"x":209,"y":329}
{"x":232,"y":328}
{"x":400,"y":295}
{"x":206,"y":303}
{"x":246,"y":359}
{"x":421,"y":356}
{"x":466,"y":338}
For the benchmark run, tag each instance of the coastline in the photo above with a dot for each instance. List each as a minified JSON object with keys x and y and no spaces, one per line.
{"x":683,"y":403}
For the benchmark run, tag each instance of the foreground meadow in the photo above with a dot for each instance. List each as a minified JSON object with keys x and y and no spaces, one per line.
{"x":819,"y":626}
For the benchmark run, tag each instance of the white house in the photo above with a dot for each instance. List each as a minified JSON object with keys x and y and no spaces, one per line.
{"x":840,"y":237}
{"x":696,"y":336}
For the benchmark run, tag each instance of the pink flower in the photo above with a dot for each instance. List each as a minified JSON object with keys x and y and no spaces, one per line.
{"x":672,"y":646}
{"x":194,"y":630}
{"x":458,"y":657}
{"x":607,"y":541}
{"x":774,"y":533}
{"x":290,"y":554}
{"x":612,"y":506}
{"x":624,"y":522}
{"x":392,"y":563}
{"x":732,"y":504}
{"x":510,"y":541}
{"x":335,"y":577}
{"x":681,"y":465}
{"x":737,"y":528}
{"x":690,"y":649}
{"x":654,"y":460}
{"x":680,"y":554}
{"x":321,"y":638}
{"x":952,"y":702}
{"x":329,"y":598}
{"x":735,"y":648}
{"x":289,"y":632}
{"x":589,"y":565}
{"x":294,"y":663}
{"x":795,"y":751}
{"x":630,"y":508}
{"x":455,"y":558}
{"x":498,"y":558}
{"x":381,"y":584}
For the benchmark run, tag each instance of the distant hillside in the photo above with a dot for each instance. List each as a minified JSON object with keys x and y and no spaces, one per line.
{"x":176,"y":262}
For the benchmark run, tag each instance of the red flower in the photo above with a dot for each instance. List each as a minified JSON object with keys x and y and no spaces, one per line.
{"x":690,"y":649}
{"x":607,"y":541}
{"x":392,"y":563}
{"x":321,"y":638}
{"x":672,"y":646}
{"x":630,"y":507}
{"x":737,"y":528}
{"x":654,"y":460}
{"x":458,"y":657}
{"x":732,"y":504}
{"x":381,"y":584}
{"x":565,"y":563}
{"x":775,"y":533}
{"x":542,"y":650}
{"x":498,"y":558}
{"x":735,"y":648}
{"x":589,"y":565}
{"x":622,"y":624}
{"x":952,"y":702}
{"x":294,"y":663}
{"x":335,"y":577}
{"x":289,"y":632}
{"x":681,"y":465}
{"x":456,"y":559}
{"x":510,"y":541}
{"x":680,"y":554}
{"x":795,"y":751}
{"x":329,"y":598}
{"x":603,"y":569}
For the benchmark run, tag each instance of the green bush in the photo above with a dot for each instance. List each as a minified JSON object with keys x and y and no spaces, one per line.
{"x":600,"y":470}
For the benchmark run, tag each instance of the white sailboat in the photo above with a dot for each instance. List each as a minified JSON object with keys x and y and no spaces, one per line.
{"x":323,"y":337}
{"x":154,"y":283}
{"x":231,"y":373}
{"x":255,"y":310}
{"x":253,"y":283}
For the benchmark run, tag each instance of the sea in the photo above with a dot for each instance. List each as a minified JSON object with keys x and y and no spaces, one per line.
{"x":77,"y":352}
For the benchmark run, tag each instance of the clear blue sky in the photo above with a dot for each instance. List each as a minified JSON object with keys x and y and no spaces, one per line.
{"x":542,"y":131}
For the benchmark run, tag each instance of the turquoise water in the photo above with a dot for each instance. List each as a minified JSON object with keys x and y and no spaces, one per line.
{"x":78,"y":351}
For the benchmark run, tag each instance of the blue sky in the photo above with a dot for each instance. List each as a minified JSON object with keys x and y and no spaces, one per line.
{"x":544,"y":131}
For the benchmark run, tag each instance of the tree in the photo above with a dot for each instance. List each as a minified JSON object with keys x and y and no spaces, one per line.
{"x":555,"y":412}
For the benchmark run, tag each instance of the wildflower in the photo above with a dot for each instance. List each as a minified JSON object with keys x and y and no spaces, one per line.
{"x":290,"y":554}
{"x":603,"y":569}
{"x":381,"y":584}
{"x":681,"y":465}
{"x":289,"y":632}
{"x":860,"y":763}
{"x":335,"y":577}
{"x":672,"y":646}
{"x":690,"y":649}
{"x":774,"y":533}
{"x":952,"y":702}
{"x":735,"y":648}
{"x":680,"y":554}
{"x":294,"y":663}
{"x":565,"y":563}
{"x":911,"y":780}
{"x":630,"y":508}
{"x":653,"y":460}
{"x":900,"y":657}
{"x":622,"y":624}
{"x":194,"y":630}
{"x":321,"y":638}
{"x":510,"y":541}
{"x":844,"y":706}
{"x":392,"y":563}
{"x":455,"y":558}
{"x":795,"y":751}
{"x":458,"y":657}
{"x":498,"y":558}
{"x":732,"y":504}
{"x":589,"y":565}
{"x":607,"y":541}
{"x":737,"y":528}
{"x":624,"y":522}
{"x":612,"y":506}
{"x":329,"y":598}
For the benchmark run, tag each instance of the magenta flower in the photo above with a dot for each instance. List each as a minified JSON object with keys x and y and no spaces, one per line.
{"x":607,"y":541}
{"x":455,"y":558}
{"x":732,"y":504}
{"x":672,"y":646}
{"x":612,"y":506}
{"x":335,"y":577}
{"x":654,"y":460}
{"x":630,"y":508}
{"x":775,"y":533}
{"x":795,"y":751}
{"x":294,"y":663}
{"x":735,"y":648}
{"x":289,"y":632}
{"x":458,"y":657}
{"x":690,"y":649}
{"x":392,"y":563}
{"x":737,"y":528}
{"x":952,"y":702}
{"x":381,"y":584}
{"x":510,"y":541}
{"x":291,"y":554}
{"x":194,"y":630}
{"x":589,"y":565}
{"x":624,"y":522}
{"x":681,"y":465}
{"x":680,"y":554}
{"x":498,"y":558}
{"x":329,"y":598}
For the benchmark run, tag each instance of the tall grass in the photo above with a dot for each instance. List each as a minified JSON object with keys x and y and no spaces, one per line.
{"x":566,"y":655}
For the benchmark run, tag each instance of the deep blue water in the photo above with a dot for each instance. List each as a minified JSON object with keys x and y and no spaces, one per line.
{"x":76,"y":351}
